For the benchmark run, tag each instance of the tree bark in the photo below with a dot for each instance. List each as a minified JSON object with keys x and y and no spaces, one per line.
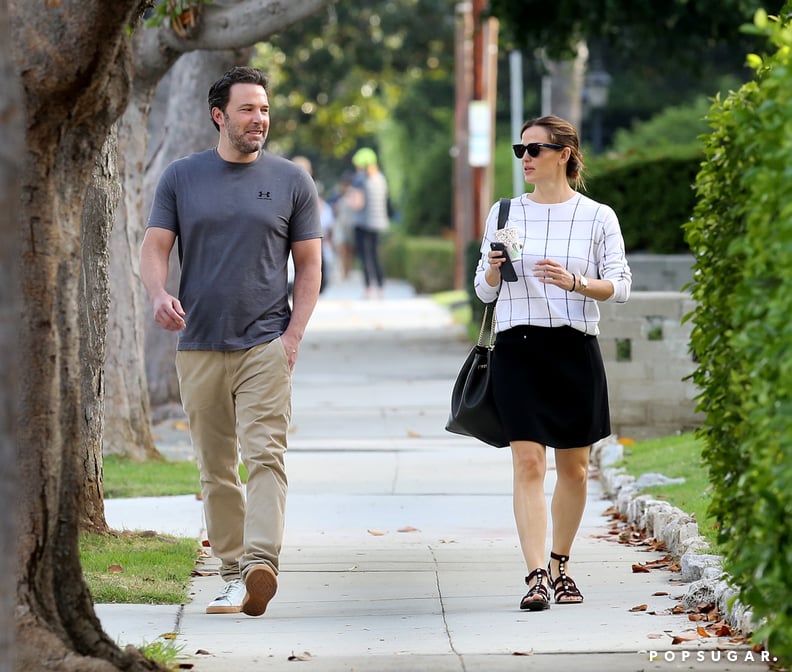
{"x":75,"y":66}
{"x":562,"y":86}
{"x":11,"y":149}
{"x":100,"y":203}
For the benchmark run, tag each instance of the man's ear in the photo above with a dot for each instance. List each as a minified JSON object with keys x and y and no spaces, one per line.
{"x":217,"y":115}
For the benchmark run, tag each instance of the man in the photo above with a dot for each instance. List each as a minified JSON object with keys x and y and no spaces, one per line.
{"x":237,"y":211}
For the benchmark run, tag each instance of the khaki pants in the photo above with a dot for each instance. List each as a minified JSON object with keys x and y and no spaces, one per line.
{"x":240,"y":398}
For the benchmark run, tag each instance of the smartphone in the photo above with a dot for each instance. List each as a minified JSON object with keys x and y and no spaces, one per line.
{"x":507,"y":268}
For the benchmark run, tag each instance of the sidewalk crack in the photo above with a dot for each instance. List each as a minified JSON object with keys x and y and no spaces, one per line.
{"x":443,"y":612}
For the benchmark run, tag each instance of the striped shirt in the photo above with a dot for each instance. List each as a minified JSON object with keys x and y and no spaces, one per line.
{"x":582,"y":235}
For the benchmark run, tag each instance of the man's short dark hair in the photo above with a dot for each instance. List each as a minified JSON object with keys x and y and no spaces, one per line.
{"x":220,"y":91}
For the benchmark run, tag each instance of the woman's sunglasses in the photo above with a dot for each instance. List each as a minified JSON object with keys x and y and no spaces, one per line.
{"x":533,"y":148}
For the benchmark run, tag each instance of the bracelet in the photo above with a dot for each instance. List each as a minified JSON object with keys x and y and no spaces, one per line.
{"x":574,"y":283}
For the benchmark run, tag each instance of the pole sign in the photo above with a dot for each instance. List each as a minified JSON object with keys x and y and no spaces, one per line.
{"x":479,"y":150}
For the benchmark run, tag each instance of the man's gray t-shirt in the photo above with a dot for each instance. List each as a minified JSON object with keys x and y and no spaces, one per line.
{"x":234,"y":224}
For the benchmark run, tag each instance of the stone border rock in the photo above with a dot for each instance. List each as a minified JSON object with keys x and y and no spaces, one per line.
{"x":702,"y":571}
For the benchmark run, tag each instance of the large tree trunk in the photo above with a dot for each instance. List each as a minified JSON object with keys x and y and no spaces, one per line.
{"x":100,"y":203}
{"x":127,"y":413}
{"x":74,"y":62}
{"x":562,"y":86}
{"x":222,"y":26}
{"x":11,"y":149}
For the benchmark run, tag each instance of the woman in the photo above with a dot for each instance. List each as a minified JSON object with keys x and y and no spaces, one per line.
{"x":548,"y":376}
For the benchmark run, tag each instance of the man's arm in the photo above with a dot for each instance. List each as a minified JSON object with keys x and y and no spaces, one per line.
{"x":307,"y":256}
{"x":154,"y":255}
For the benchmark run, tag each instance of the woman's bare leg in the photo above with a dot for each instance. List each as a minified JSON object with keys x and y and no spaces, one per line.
{"x":529,"y":462}
{"x":569,"y":500}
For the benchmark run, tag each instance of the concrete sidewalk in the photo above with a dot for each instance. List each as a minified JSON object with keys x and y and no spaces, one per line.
{"x":400,"y":550}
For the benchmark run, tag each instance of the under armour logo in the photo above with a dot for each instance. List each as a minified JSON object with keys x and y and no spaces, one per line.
{"x":266,"y":195}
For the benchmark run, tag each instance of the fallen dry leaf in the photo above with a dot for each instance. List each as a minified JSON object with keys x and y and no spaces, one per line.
{"x":115,"y":569}
{"x":305,"y":655}
{"x":686,"y":637}
{"x":702,"y":632}
{"x":655,"y":635}
{"x":659,"y":593}
{"x":408,"y":529}
{"x":202,"y":652}
{"x":523,"y":653}
{"x":375,"y":533}
{"x":413,"y":435}
{"x":640,"y":607}
{"x":169,"y":635}
{"x":640,"y":569}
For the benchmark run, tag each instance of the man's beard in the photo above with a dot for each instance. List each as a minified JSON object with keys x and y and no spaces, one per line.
{"x":244,"y":145}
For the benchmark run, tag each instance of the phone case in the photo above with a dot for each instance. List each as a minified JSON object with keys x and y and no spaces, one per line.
{"x":507,"y":268}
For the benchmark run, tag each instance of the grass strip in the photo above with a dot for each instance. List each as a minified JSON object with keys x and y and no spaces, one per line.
{"x":138,"y":567}
{"x":130,"y":478}
{"x":676,"y":457}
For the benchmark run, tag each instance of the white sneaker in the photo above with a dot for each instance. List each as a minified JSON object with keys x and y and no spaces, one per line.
{"x":229,"y":601}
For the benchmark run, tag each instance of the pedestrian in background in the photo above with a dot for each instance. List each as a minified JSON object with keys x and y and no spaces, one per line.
{"x":371,"y":220}
{"x":237,"y":212}
{"x":547,"y":371}
{"x":327,"y":217}
{"x":346,"y":201}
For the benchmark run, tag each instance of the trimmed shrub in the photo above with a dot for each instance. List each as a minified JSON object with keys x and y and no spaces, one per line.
{"x":741,"y":234}
{"x":429,"y":264}
{"x":653,"y":198}
{"x":393,"y":252}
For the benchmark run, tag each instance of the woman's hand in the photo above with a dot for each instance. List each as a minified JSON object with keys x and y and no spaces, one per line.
{"x":493,"y":274}
{"x":551,"y":272}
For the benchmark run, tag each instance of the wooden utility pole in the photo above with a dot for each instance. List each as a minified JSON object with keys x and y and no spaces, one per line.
{"x":476,"y":56}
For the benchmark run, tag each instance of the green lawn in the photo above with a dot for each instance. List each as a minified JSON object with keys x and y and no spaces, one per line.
{"x":133,"y":568}
{"x":675,"y":456}
{"x":127,"y":478}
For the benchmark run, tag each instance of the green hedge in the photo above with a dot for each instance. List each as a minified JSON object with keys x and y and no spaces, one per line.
{"x":653,"y":198}
{"x":741,"y":234}
{"x":429,"y":264}
{"x":393,"y":252}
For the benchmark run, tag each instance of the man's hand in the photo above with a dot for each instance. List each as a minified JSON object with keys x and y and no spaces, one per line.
{"x":168,"y":313}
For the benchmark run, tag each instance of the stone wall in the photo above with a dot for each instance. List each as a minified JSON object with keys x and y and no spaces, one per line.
{"x":645,"y":347}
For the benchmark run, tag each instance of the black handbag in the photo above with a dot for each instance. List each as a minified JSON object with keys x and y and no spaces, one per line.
{"x":473,"y":409}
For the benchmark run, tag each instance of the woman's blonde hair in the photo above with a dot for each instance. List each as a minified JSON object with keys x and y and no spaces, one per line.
{"x":561,"y":132}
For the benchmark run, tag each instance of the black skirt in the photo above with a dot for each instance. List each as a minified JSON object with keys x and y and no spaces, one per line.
{"x":550,"y":386}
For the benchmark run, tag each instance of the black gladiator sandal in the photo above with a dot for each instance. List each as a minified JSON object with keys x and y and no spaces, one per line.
{"x":566,"y":592}
{"x":540,"y":589}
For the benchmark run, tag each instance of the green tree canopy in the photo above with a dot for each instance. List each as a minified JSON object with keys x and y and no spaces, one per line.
{"x":347,"y":71}
{"x":669,"y":29}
